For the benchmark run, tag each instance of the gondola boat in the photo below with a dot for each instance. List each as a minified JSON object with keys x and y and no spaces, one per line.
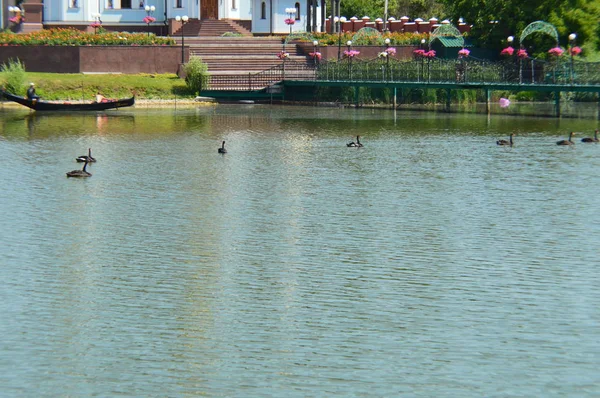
{"x":39,"y":105}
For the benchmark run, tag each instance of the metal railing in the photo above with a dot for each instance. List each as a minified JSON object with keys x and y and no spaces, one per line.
{"x":465,"y":71}
{"x":461,"y":71}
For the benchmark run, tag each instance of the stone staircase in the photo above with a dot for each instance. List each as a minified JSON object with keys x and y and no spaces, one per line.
{"x":240,"y":55}
{"x":241,"y":59}
{"x":212,"y":28}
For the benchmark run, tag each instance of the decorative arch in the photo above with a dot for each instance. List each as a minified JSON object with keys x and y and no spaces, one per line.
{"x":539,"y":27}
{"x":300,"y":36}
{"x":447,"y":30}
{"x":366,"y":36}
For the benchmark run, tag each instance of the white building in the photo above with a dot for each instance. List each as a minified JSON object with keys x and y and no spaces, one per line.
{"x":264,"y":16}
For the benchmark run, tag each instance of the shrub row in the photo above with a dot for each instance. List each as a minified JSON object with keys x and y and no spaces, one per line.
{"x":73,"y":37}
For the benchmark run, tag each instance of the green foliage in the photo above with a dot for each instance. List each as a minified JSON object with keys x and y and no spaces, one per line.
{"x":396,"y":8}
{"x":396,"y":39}
{"x":72,"y":37}
{"x":197,"y":75}
{"x":13,"y":74}
{"x":231,"y":34}
{"x":568,"y":16}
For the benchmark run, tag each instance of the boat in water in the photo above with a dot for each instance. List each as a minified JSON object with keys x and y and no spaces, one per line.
{"x":39,"y":105}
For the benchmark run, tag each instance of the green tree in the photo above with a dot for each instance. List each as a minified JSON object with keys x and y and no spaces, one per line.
{"x":397,"y":8}
{"x":512,"y":16}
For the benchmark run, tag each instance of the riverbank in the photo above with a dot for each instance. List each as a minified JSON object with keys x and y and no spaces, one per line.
{"x":74,"y":87}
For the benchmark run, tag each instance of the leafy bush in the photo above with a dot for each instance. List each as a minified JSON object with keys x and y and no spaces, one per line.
{"x":14,"y":76}
{"x":396,"y":38}
{"x":231,"y":34}
{"x":196,"y":74}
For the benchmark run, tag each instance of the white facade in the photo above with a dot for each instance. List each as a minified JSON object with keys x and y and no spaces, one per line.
{"x":267,"y":16}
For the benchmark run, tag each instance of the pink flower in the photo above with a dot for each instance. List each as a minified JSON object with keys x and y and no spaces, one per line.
{"x":351,"y":53}
{"x":556,"y":51}
{"x":95,"y":25}
{"x":504,"y":103}
{"x":290,"y":21}
{"x":507,"y":51}
{"x":149,"y":19}
{"x":463,"y":53}
{"x":391,"y":51}
{"x":522,"y":53}
{"x":430,"y":54}
{"x":316,"y":55}
{"x":419,"y":53}
{"x":575,"y":50}
{"x":283,"y":55}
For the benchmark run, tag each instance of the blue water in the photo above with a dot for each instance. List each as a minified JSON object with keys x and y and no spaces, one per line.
{"x":428,"y":263}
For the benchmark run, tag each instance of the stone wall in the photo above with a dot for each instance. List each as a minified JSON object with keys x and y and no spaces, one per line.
{"x":97,"y":59}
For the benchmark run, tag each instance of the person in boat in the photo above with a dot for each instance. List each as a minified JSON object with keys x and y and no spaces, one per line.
{"x":31,"y":92}
{"x":100,"y":98}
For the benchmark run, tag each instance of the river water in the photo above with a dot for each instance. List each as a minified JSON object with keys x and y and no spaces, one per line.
{"x":431,"y":262}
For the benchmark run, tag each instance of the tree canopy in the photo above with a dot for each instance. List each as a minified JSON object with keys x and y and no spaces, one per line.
{"x":396,"y":8}
{"x":512,"y":16}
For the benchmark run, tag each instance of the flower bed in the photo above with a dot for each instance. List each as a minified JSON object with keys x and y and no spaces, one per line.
{"x":72,"y":37}
{"x":396,"y":39}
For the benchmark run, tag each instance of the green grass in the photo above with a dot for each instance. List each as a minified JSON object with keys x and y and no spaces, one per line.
{"x":65,"y":86}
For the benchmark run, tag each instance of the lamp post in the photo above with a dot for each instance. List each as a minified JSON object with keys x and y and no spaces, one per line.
{"x":572,"y":38}
{"x":340,"y":21}
{"x":315,"y":51}
{"x":291,"y":11}
{"x":510,"y":40}
{"x":350,"y":56}
{"x":387,"y":56}
{"x":17,"y":11}
{"x":183,"y":20}
{"x":97,"y":21}
{"x":149,"y":18}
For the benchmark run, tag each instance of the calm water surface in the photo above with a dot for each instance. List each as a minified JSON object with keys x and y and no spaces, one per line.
{"x":428,"y":263}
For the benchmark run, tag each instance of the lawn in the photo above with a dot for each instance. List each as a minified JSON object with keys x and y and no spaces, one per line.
{"x":65,"y":86}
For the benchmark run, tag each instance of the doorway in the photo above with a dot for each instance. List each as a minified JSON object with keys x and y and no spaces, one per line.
{"x":209,"y":9}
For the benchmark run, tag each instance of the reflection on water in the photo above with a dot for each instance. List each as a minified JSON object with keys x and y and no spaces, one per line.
{"x":428,"y":263}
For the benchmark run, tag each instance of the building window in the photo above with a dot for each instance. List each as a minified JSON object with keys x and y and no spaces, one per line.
{"x":178,"y":3}
{"x":73,"y":4}
{"x":125,"y":3}
{"x":233,"y":5}
{"x":297,"y":11}
{"x":263,"y":10}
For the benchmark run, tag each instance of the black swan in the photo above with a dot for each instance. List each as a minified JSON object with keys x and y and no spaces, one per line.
{"x":222,"y":149}
{"x":588,"y":139}
{"x":567,"y":142}
{"x":86,"y":158}
{"x":79,"y":173}
{"x":504,"y":142}
{"x":356,"y":144}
